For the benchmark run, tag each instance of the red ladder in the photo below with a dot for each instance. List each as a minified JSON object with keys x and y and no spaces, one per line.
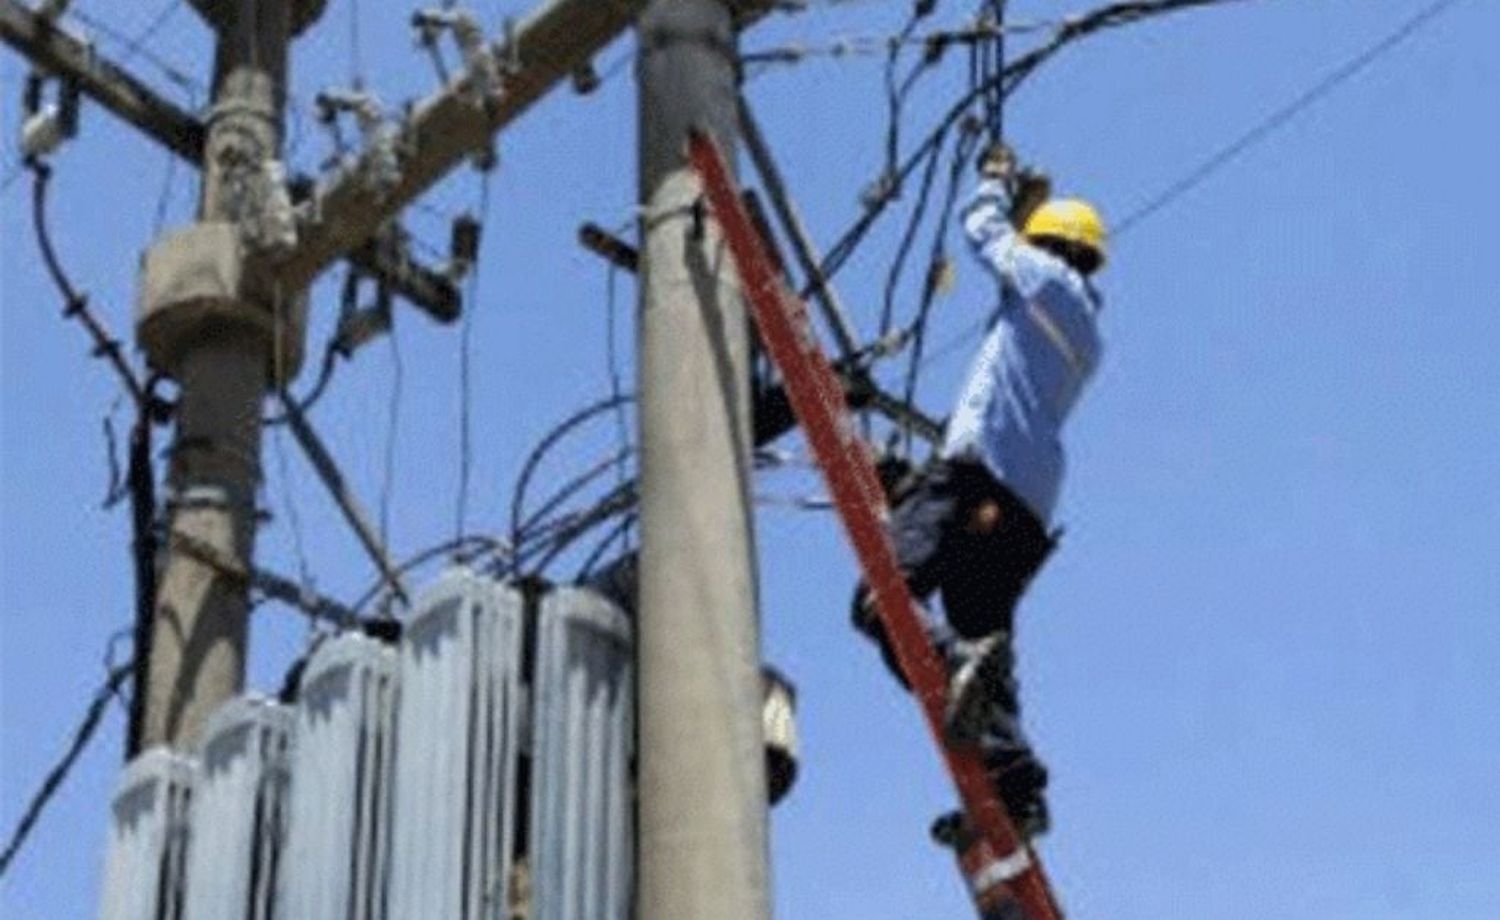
{"x":1003,"y":873}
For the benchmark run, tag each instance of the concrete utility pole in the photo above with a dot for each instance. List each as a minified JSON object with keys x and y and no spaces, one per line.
{"x":202,"y":323}
{"x":702,"y":780}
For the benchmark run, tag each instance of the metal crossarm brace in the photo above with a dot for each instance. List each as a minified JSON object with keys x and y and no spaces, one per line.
{"x":1013,"y":874}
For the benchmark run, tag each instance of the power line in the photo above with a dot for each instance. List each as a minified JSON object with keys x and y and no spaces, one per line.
{"x":134,"y":45}
{"x":550,"y":440}
{"x":137,"y":48}
{"x":92,"y":716}
{"x":1284,"y":115}
{"x":465,"y":369}
{"x":1256,"y":135}
{"x":392,"y":433}
{"x":76,"y":304}
{"x":1100,"y":19}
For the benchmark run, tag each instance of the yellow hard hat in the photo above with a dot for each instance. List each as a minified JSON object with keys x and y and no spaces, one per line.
{"x":1070,"y":220}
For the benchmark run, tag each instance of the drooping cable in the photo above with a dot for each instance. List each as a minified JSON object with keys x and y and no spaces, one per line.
{"x":1281,"y":116}
{"x":477,"y":543}
{"x":573,"y":487}
{"x":76,"y":304}
{"x":1257,"y":134}
{"x":1015,"y":73}
{"x":937,"y":265}
{"x":92,"y":716}
{"x":614,"y":537}
{"x":533,"y":461}
{"x":908,"y":238}
{"x":620,"y":501}
{"x":896,"y":92}
{"x":392,"y":435}
{"x":465,"y":372}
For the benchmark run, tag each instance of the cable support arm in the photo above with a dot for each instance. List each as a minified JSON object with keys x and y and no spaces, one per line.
{"x":458,"y":121}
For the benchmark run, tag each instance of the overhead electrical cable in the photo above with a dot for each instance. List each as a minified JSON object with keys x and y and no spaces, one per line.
{"x":53,"y":781}
{"x":465,"y":372}
{"x":550,"y":440}
{"x":1282,"y":116}
{"x":75,"y":303}
{"x":1073,"y":29}
{"x":1256,"y":135}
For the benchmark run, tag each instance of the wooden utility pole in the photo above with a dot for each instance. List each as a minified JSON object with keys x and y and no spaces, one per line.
{"x":224,"y":342}
{"x":702,"y":781}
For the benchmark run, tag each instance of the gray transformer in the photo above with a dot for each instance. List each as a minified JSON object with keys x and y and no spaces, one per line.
{"x":234,"y":832}
{"x":457,"y":751}
{"x":581,"y":834}
{"x":480,"y":768}
{"x":147,"y":836}
{"x":337,"y":847}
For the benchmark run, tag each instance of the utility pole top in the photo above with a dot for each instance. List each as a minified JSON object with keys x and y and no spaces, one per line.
{"x":222,"y":13}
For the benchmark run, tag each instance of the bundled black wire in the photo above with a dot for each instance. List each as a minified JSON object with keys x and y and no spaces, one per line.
{"x":75,"y":303}
{"x":963,"y":157}
{"x":564,"y":534}
{"x":1003,"y":83}
{"x":988,"y":62}
{"x":896,"y":93}
{"x":141,"y":483}
{"x":908,"y":238}
{"x":539,"y":453}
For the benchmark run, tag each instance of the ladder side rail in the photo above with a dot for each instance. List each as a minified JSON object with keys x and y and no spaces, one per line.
{"x":820,"y":405}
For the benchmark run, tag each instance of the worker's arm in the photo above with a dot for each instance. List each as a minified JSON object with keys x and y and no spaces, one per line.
{"x":989,"y":224}
{"x":995,"y":241}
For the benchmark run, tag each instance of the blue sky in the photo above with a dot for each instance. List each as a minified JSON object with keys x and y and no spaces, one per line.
{"x":1262,"y":665}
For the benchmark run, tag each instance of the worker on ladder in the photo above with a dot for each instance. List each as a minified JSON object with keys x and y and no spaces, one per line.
{"x":975,"y":525}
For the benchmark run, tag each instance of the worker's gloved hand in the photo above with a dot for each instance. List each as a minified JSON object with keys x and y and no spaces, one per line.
{"x":1030,"y":191}
{"x":998,"y":161}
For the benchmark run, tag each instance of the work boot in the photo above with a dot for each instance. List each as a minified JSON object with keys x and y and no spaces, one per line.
{"x":952,"y":829}
{"x":1019,"y":784}
{"x":981,"y":682}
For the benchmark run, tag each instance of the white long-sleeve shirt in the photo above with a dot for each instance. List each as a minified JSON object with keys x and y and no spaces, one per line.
{"x":1035,"y":360}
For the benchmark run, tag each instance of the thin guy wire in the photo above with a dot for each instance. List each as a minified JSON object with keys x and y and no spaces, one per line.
{"x":465,"y":371}
{"x":92,"y":716}
{"x":168,"y":69}
{"x":1282,"y":116}
{"x":1256,"y":135}
{"x":289,"y":505}
{"x":135,"y":44}
{"x":393,"y":424}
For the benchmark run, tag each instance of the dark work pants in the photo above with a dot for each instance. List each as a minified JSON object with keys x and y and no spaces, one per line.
{"x":980,"y":575}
